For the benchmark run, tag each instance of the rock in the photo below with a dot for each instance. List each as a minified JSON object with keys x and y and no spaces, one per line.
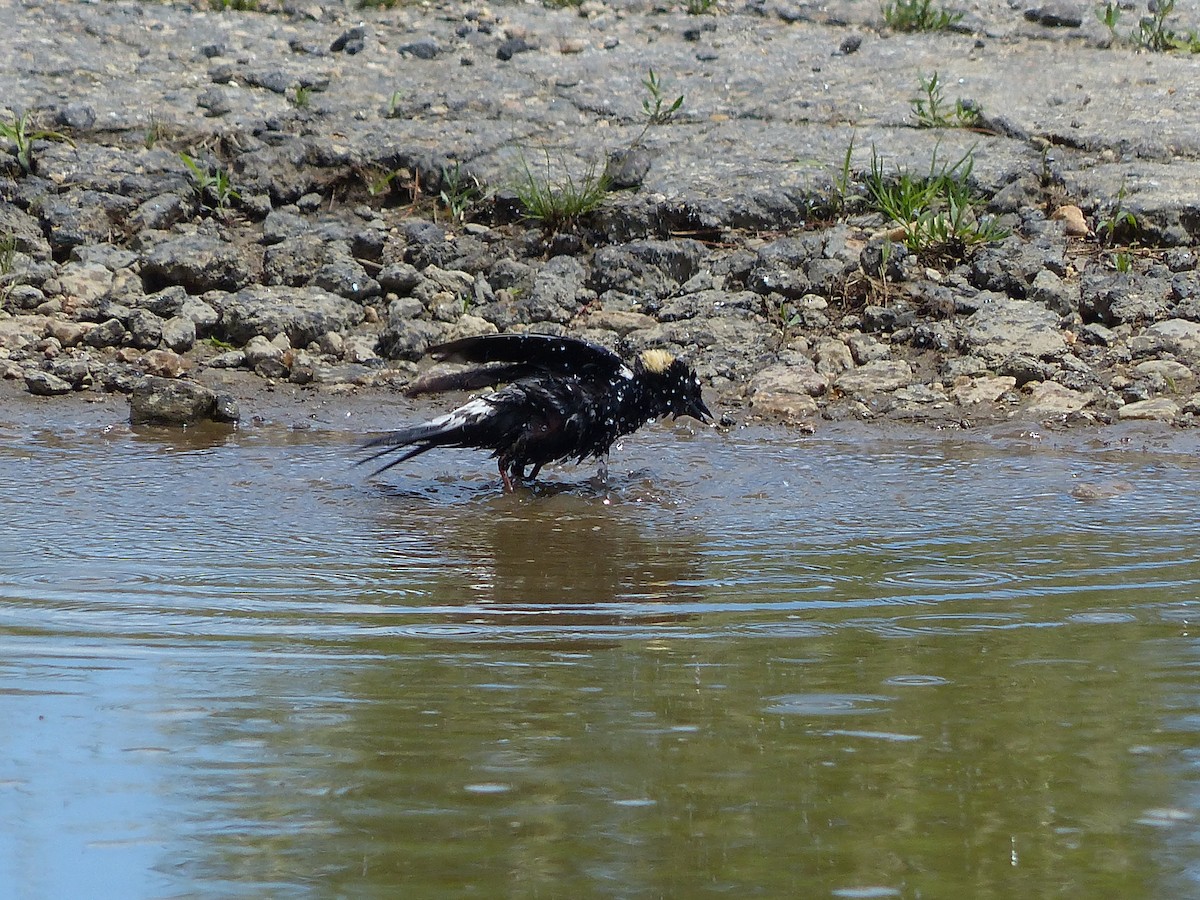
{"x":649,"y":268}
{"x":359,"y":349}
{"x":833,"y":357}
{"x":85,"y":282}
{"x":1050,"y":399}
{"x":1073,"y":217}
{"x":75,"y":371}
{"x":784,"y":405}
{"x":110,"y":333}
{"x":166,"y":401}
{"x":1007,"y":328}
{"x":865,"y":349}
{"x":399,"y":278}
{"x":1178,"y":337}
{"x":145,"y":329}
{"x":74,"y":219}
{"x":1160,"y":409}
{"x":511,"y":47}
{"x":332,"y":344}
{"x":231,"y":359}
{"x":1167,"y":375}
{"x":43,"y":384}
{"x":198,"y":262}
{"x":1122,"y":298}
{"x":259,"y":350}
{"x":406,"y":338}
{"x":68,"y":333}
{"x":303,"y":314}
{"x":347,"y":278}
{"x":160,"y":213}
{"x":351,"y":41}
{"x":620,"y":321}
{"x":1055,"y":14}
{"x":165,"y":363}
{"x":179,"y":334}
{"x":627,"y":167}
{"x":1095,"y":333}
{"x":877,"y":376}
{"x":985,"y":389}
{"x":1054,"y":294}
{"x":203,"y":316}
{"x":469,"y":326}
{"x":424,"y":48}
{"x":778,"y":386}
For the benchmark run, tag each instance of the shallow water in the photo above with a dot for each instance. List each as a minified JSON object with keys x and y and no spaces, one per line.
{"x":753,"y":664}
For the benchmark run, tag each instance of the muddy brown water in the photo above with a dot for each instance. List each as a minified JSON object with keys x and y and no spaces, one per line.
{"x":858,"y":664}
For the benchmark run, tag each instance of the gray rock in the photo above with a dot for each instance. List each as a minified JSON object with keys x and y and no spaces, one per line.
{"x":1160,"y":409}
{"x":1009,"y":328}
{"x":231,"y":359}
{"x":359,"y":348}
{"x":303,"y":314}
{"x":85,"y":282}
{"x":865,"y":349}
{"x":1121,"y":298}
{"x":110,"y":333}
{"x":347,"y":278}
{"x":165,"y":303}
{"x":878,"y":376}
{"x":179,"y":334}
{"x":424,"y":48}
{"x":160,"y":213}
{"x":145,"y":329}
{"x":43,"y":384}
{"x":200,"y":313}
{"x":1049,"y":399}
{"x":274,"y":80}
{"x":985,"y":389}
{"x":1055,"y":294}
{"x":1179,"y":337}
{"x":1055,"y":14}
{"x":406,"y":338}
{"x":77,"y":372}
{"x":511,"y":47}
{"x":80,"y":116}
{"x":1095,"y":333}
{"x":796,"y":376}
{"x":399,"y":278}
{"x":73,"y":219}
{"x":166,"y":401}
{"x":627,"y":167}
{"x":351,"y":41}
{"x":259,"y":350}
{"x":293,"y":261}
{"x":833,"y":357}
{"x":198,"y":262}
{"x":646,"y":269}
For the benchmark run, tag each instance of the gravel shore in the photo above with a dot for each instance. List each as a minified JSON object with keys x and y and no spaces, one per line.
{"x":317,"y":193}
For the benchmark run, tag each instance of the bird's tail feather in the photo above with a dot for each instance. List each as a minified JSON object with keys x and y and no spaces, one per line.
{"x":419,"y":438}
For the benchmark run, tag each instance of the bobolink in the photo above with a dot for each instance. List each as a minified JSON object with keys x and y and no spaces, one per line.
{"x":563,"y":399}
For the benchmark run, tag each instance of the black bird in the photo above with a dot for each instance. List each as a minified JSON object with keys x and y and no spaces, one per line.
{"x":563,"y":399}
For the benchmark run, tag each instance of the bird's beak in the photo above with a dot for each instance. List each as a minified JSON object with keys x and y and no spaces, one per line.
{"x":700,"y":411}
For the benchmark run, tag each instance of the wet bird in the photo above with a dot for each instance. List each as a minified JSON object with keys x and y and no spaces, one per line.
{"x":562,"y":399}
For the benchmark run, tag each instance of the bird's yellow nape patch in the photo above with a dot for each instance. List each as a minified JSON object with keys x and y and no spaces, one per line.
{"x":656,"y":361}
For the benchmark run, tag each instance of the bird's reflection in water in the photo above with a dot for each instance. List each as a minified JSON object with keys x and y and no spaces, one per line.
{"x":570,"y":554}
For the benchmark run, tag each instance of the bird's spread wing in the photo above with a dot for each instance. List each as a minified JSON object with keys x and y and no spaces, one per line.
{"x":507,"y":357}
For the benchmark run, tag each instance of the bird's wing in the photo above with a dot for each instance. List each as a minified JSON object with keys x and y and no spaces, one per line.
{"x":507,"y":357}
{"x":543,"y":352}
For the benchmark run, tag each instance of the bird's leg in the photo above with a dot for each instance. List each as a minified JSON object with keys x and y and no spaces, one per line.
{"x":533,"y":473}
{"x":602,"y":473}
{"x":508,"y":485}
